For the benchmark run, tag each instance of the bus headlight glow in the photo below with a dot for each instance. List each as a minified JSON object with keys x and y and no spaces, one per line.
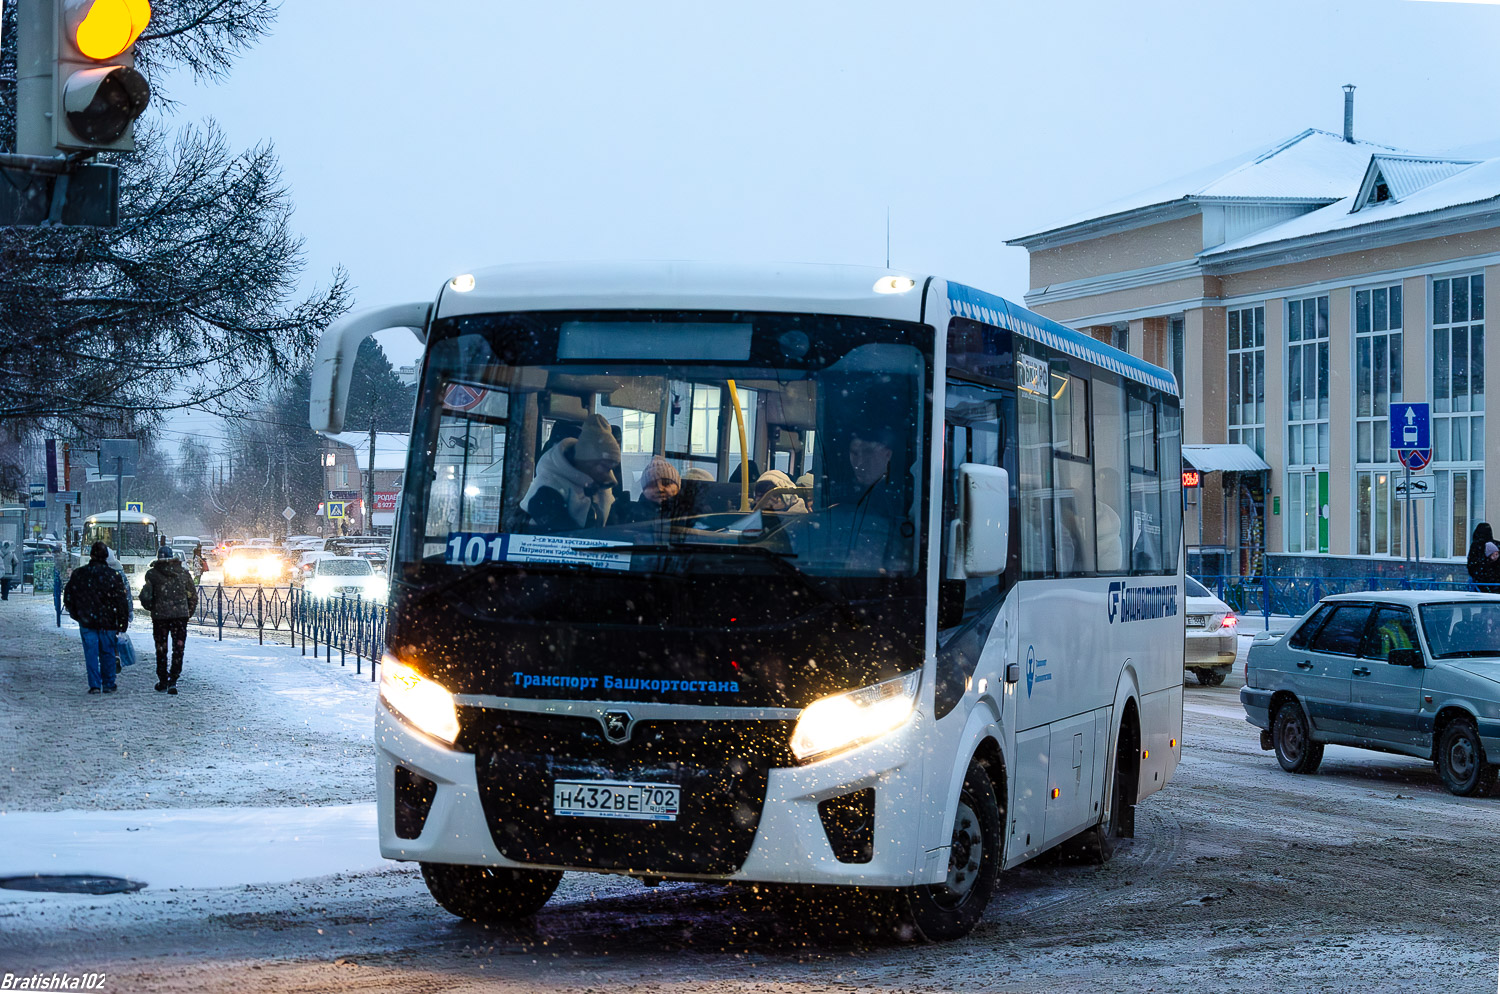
{"x":425,"y":704}
{"x":844,"y":721}
{"x":463,"y":283}
{"x":894,"y":284}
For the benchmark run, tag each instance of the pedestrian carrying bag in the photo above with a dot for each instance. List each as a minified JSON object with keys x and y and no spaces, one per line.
{"x":126,"y":648}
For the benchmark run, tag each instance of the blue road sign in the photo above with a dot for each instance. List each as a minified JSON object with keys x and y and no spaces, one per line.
{"x":135,"y":507}
{"x":1410,"y":427}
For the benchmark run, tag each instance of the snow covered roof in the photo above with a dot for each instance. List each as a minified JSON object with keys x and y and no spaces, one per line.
{"x":1311,"y":167}
{"x":390,"y":448}
{"x":1476,"y":183}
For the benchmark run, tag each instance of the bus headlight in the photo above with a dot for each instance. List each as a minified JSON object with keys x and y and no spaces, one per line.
{"x":425,"y":704}
{"x":839,"y":723}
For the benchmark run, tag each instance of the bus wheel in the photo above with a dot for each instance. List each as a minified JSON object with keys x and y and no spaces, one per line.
{"x":488,"y":893}
{"x":950,"y":909}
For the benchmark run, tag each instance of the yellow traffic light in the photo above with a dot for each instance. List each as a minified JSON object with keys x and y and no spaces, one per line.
{"x":103,"y":29}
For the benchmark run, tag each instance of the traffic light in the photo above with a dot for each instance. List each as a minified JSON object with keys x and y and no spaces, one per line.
{"x":77,"y":85}
{"x":99,"y":93}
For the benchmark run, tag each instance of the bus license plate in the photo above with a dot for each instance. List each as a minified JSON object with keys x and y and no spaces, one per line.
{"x":616,"y":799}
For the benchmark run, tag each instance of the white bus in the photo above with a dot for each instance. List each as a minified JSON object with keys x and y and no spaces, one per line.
{"x":954,"y":642}
{"x":134,"y":544}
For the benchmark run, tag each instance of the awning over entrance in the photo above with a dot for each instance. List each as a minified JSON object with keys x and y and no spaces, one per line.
{"x":1227,"y":457}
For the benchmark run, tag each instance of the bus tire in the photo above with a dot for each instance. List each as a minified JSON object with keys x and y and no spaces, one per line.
{"x":489,"y":893}
{"x":950,"y":909}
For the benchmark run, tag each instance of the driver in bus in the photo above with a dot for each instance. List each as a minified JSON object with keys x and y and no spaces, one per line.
{"x":878,"y":504}
{"x":575,"y":479}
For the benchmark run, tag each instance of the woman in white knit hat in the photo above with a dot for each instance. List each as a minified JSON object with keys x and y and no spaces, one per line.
{"x":573,"y":486}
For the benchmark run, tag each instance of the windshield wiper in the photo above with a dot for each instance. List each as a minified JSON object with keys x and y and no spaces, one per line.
{"x":826,"y":590}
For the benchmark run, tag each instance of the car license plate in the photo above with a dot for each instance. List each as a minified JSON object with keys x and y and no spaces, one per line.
{"x":616,"y":799}
{"x":1197,"y":621}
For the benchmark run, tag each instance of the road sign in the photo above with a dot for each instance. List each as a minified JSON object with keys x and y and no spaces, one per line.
{"x":335,"y":508}
{"x":1411,"y":427}
{"x":38,"y":495}
{"x":344,"y":495}
{"x":69,"y":497}
{"x":135,"y":507}
{"x":463,"y":398}
{"x":1422,"y":487}
{"x":1416,"y":459}
{"x":288,"y":513}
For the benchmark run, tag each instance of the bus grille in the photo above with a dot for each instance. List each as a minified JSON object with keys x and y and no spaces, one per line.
{"x":720,"y":766}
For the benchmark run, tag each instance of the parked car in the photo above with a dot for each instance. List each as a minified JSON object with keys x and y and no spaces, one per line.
{"x":1415,"y":672}
{"x":345,"y":576}
{"x":1212,"y":635}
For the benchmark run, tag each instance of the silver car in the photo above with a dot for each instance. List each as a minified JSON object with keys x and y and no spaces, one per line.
{"x":1416,"y":673}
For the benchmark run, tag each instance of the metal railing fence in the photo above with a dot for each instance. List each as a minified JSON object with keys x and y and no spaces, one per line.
{"x":352,"y":625}
{"x":1295,"y":595}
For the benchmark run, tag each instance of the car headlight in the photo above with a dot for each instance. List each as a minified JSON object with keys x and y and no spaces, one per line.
{"x":318,"y":585}
{"x":839,"y":723}
{"x":425,"y":704}
{"x":376,"y":589}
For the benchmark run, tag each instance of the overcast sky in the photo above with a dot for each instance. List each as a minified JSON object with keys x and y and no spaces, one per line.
{"x":426,"y":139}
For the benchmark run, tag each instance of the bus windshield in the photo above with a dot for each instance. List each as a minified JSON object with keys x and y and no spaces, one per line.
{"x":631,"y":441}
{"x":139,"y":539}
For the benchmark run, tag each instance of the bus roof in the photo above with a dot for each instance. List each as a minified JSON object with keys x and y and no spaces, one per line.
{"x":684,"y":286}
{"x":965,"y":301}
{"x":792,"y":287}
{"x":113,"y":517}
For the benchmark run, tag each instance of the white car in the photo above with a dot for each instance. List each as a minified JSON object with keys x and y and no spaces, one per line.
{"x":345,"y":576}
{"x":1212,"y":635}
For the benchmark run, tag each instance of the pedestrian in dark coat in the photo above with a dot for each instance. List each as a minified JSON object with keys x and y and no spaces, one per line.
{"x":96,"y":597}
{"x":1484,"y":559}
{"x":171,"y":596}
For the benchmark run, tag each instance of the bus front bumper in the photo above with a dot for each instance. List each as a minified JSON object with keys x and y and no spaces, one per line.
{"x":793,"y":842}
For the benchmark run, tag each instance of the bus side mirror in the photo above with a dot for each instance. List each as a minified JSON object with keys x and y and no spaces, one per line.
{"x":1406,"y":657}
{"x":333,"y":366}
{"x":986,"y":517}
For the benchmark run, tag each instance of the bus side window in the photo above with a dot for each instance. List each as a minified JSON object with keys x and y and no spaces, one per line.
{"x":972,"y":435}
{"x":1034,"y":464}
{"x":1170,"y":442}
{"x":1111,"y":504}
{"x":1145,"y":485}
{"x":1072,"y":476}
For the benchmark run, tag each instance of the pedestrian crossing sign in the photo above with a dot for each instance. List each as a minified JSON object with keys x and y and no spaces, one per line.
{"x":335,"y":509}
{"x":135,"y":507}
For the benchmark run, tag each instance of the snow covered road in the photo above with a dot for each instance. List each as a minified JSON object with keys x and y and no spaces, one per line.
{"x":1366,"y":877}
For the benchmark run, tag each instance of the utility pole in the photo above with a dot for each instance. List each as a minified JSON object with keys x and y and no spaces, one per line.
{"x":369,"y":516}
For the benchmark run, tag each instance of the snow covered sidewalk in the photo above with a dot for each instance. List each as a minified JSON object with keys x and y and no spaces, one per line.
{"x":260,"y":769}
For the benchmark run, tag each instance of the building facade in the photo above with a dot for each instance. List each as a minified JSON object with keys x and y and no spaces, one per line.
{"x":1298,"y":292}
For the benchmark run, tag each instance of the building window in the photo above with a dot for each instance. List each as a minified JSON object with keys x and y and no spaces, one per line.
{"x":1307,"y":422}
{"x":1119,"y":336}
{"x":1247,"y":377}
{"x":343,"y":474}
{"x":1457,"y":411}
{"x":1377,"y":385}
{"x":1177,"y":347}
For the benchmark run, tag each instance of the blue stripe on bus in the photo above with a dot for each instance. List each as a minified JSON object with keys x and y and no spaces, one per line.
{"x":976,"y":305}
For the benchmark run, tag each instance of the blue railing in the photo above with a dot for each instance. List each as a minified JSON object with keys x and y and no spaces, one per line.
{"x":352,"y":625}
{"x":1296,"y":595}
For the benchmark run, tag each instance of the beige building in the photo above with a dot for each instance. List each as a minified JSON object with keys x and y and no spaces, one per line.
{"x":1298,"y":292}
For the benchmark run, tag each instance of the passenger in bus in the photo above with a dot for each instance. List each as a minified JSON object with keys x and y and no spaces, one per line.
{"x":573,"y":486}
{"x":660,"y":484}
{"x":767,"y":500}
